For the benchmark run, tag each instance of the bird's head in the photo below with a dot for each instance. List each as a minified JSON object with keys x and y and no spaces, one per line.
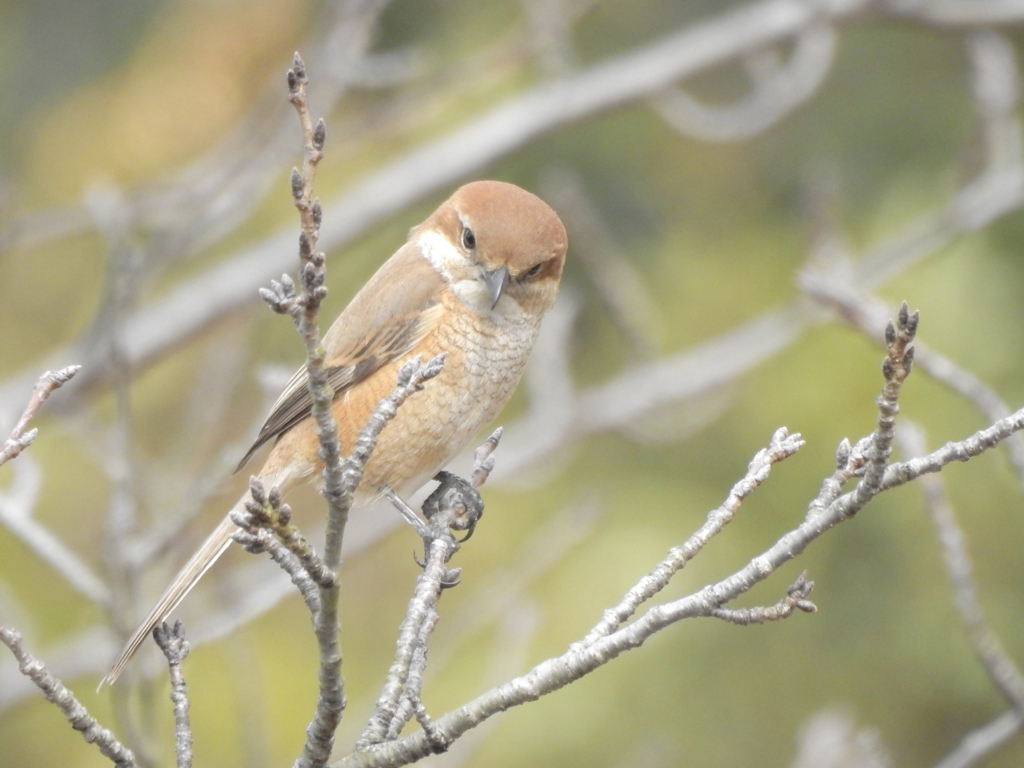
{"x":495,"y":243}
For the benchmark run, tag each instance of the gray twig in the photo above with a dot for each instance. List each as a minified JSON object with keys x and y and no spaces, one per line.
{"x":454,"y":505}
{"x":76,"y":714}
{"x":265,"y":526}
{"x":20,"y":439}
{"x":983,"y":740}
{"x":304,"y":310}
{"x":580,"y":660}
{"x":863,"y":311}
{"x":609,"y":639}
{"x":990,"y":652}
{"x":782,"y":446}
{"x":796,"y":598}
{"x":895,"y":368}
{"x":175,"y":647}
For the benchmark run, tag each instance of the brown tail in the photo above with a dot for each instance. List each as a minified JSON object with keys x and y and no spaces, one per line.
{"x":187,"y":577}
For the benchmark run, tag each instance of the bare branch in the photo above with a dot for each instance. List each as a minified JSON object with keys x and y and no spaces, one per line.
{"x":453,"y":506}
{"x":866,"y":313}
{"x":258,"y":532}
{"x":606,"y":642}
{"x":304,"y":310}
{"x":175,"y":647}
{"x":969,"y":13}
{"x":990,"y":652}
{"x":17,"y":504}
{"x":619,"y":285}
{"x":419,"y":621}
{"x":984,"y":740}
{"x":581,"y":659}
{"x":782,"y":446}
{"x":20,"y":439}
{"x":73,"y":710}
{"x":895,"y":368}
{"x":777,"y":90}
{"x":193,"y":305}
{"x":796,"y":598}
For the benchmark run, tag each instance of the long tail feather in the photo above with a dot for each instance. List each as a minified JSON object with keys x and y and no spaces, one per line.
{"x":187,"y":578}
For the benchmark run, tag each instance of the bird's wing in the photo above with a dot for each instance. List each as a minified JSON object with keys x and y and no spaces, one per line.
{"x":391,"y":314}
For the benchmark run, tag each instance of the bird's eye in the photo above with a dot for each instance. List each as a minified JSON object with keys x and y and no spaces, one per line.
{"x":468,"y":239}
{"x":533,"y":271}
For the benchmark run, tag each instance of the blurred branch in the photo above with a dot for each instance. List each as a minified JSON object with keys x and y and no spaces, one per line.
{"x":832,"y":740}
{"x":197,"y":302}
{"x":643,"y":388}
{"x":996,"y":88}
{"x":17,"y":504}
{"x":618,"y":283}
{"x":193,"y":208}
{"x":1000,"y":668}
{"x":640,"y":389}
{"x":969,"y":13}
{"x":777,"y":90}
{"x":981,"y":741}
{"x":193,"y":305}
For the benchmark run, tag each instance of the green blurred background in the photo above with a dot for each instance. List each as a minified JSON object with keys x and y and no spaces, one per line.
{"x":112,"y":95}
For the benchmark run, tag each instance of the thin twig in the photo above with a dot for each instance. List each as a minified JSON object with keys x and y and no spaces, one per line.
{"x":320,"y":734}
{"x":304,"y":310}
{"x":984,"y":740}
{"x":990,"y":652}
{"x":20,"y":439}
{"x":863,"y":311}
{"x":258,"y":531}
{"x":421,"y":612}
{"x":895,"y":368}
{"x":795,"y":599}
{"x":73,"y":710}
{"x":453,"y":506}
{"x":175,"y":647}
{"x":782,"y":446}
{"x":580,"y":660}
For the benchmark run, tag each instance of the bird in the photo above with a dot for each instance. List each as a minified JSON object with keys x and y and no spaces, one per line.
{"x":473,"y":282}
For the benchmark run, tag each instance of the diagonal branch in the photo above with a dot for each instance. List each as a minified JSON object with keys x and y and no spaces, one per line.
{"x":73,"y":709}
{"x":20,"y":439}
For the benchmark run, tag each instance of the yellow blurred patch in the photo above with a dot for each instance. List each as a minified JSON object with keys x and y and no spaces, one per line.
{"x":185,"y":86}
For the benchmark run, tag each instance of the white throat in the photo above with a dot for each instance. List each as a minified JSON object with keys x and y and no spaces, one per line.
{"x":466,"y":278}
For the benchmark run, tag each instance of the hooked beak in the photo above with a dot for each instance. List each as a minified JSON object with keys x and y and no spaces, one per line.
{"x":495,"y":280}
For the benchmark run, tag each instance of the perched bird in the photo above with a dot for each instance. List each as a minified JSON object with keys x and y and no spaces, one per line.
{"x":473,"y":281}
